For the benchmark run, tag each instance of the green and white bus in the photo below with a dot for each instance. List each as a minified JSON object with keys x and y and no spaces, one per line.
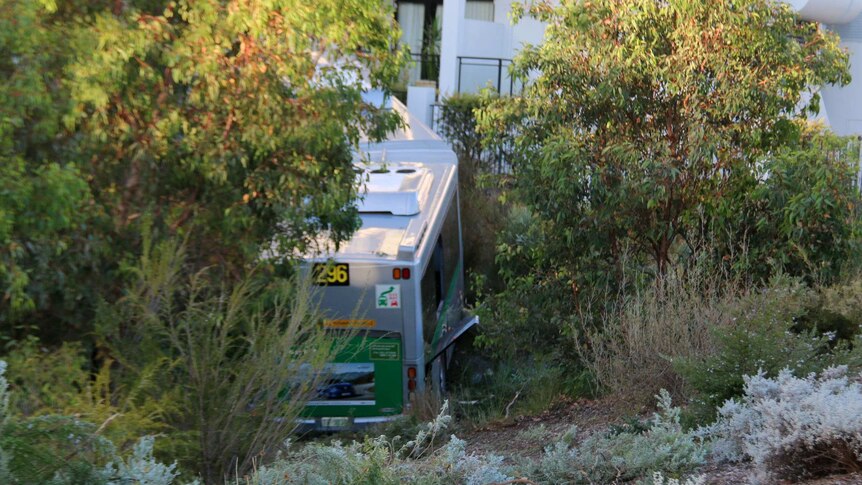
{"x":397,"y":285}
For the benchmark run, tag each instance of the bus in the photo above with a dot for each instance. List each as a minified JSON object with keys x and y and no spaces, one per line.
{"x":396,"y":287}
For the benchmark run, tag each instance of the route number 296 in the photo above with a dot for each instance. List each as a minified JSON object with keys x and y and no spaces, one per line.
{"x":331,"y":274}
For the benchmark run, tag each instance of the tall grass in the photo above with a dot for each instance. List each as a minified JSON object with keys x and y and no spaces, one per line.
{"x":644,"y":331}
{"x":246,"y":357}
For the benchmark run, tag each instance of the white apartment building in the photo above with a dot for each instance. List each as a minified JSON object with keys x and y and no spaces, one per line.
{"x":469,"y":45}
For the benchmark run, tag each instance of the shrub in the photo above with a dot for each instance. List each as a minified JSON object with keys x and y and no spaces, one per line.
{"x":55,"y":449}
{"x":45,"y":379}
{"x":623,"y":455}
{"x":794,"y":426}
{"x":48,"y":449}
{"x":607,"y":154}
{"x":64,"y":450}
{"x":659,"y":479}
{"x":605,"y":458}
{"x":60,"y":382}
{"x":535,"y":304}
{"x":477,"y":153}
{"x":482,"y":218}
{"x":141,"y":468}
{"x":387,"y":461}
{"x":804,"y":215}
{"x":534,"y":433}
{"x":761,"y":338}
{"x":457,"y":124}
{"x":245,"y":358}
{"x":838,"y":309}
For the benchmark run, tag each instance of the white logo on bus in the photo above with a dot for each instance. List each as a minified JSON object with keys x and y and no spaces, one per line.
{"x":388,"y":296}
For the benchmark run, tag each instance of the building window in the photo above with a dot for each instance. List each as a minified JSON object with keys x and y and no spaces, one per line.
{"x":479,"y":10}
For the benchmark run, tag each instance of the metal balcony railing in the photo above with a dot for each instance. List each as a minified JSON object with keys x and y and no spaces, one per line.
{"x":423,"y":66}
{"x":475,"y":73}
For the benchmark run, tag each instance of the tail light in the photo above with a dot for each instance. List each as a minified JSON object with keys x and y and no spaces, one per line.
{"x":411,"y":379}
{"x":400,"y":273}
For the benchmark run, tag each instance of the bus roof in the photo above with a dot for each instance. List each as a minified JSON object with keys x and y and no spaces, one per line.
{"x":408,"y":181}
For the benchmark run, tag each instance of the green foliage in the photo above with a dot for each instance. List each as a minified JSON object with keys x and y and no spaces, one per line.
{"x":60,"y":382}
{"x":652,"y":136}
{"x":48,"y":249}
{"x":626,"y":142}
{"x":220,"y":372}
{"x":232,"y":122}
{"x":64,"y":450}
{"x":458,"y":124}
{"x":210,"y":113}
{"x":31,"y":102}
{"x":55,"y":449}
{"x":43,"y":380}
{"x":806,"y":210}
{"x":763,"y":338}
{"x":479,"y":182}
{"x":533,"y":305}
{"x":838,"y":309}
{"x":42,"y":209}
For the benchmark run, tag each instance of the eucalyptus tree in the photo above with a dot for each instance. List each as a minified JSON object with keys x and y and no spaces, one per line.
{"x":224,"y":122}
{"x":234,"y":117}
{"x":644,"y":129}
{"x":642,"y":114}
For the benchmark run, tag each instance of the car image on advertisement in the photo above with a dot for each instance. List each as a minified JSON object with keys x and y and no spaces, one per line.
{"x":337,"y":390}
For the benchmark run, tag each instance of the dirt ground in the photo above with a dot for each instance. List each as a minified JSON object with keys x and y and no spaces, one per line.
{"x":520,"y":436}
{"x":527,"y":436}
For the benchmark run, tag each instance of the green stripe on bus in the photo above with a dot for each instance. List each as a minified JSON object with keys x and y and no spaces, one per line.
{"x":443,"y":311}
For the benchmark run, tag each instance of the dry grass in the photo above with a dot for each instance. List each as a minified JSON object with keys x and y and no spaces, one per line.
{"x":247,"y":364}
{"x":632,"y":354}
{"x":425,"y":406}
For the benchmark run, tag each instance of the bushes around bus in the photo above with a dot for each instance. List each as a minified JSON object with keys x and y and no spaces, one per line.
{"x":220,"y":373}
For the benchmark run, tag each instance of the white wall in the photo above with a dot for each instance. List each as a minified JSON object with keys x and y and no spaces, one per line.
{"x":827,"y":11}
{"x":451,"y":30}
{"x":841,"y":107}
{"x":498,"y":39}
{"x":485,"y":39}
